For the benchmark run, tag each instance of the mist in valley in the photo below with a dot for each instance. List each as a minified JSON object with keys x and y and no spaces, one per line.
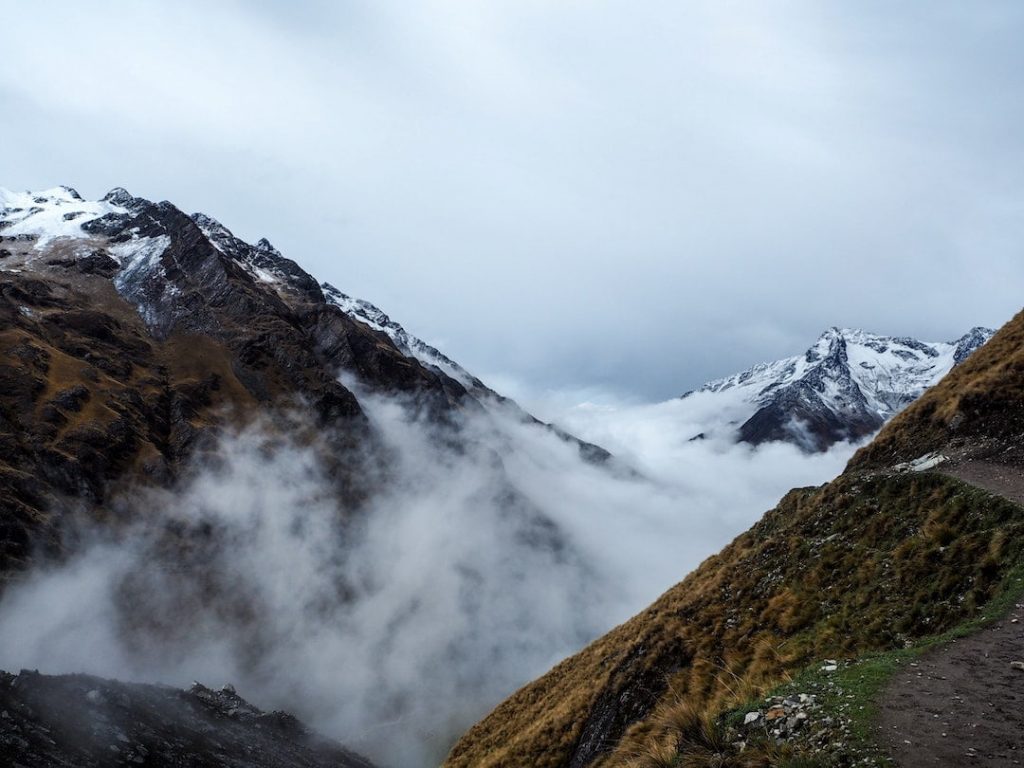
{"x":488,"y":551}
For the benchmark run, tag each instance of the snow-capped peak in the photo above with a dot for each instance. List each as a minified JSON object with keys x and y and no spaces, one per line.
{"x":119,"y":196}
{"x":264,"y":245}
{"x":51,"y":214}
{"x":969,"y":342}
{"x":846,"y":385}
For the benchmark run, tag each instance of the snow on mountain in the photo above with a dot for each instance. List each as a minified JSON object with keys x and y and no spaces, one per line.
{"x":42,"y":228}
{"x":375,"y":318}
{"x":263,"y":262}
{"x":50,"y":214}
{"x":844,"y":387}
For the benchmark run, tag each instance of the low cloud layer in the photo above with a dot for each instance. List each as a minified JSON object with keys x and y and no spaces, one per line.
{"x":395,"y":624}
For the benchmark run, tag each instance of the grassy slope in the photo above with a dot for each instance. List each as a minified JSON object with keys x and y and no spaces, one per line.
{"x":849,"y":695}
{"x":862,"y":564}
{"x":869,"y":563}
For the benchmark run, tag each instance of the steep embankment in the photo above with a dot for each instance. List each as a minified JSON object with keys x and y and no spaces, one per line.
{"x":861,"y":564}
{"x":873,"y":561}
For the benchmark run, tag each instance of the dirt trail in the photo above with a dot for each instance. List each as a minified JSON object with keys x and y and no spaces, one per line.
{"x":1000,"y":479}
{"x":963,"y":704}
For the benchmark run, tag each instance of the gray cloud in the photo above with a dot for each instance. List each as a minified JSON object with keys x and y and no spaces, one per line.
{"x":467,"y":574}
{"x":635,"y":195}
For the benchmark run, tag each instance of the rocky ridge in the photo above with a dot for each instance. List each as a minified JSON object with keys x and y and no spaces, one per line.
{"x":133,"y":333}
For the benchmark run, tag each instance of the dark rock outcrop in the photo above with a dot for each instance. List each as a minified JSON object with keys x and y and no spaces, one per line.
{"x":83,"y":721}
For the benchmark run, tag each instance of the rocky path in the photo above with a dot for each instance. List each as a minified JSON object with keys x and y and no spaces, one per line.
{"x":963,"y":704}
{"x":1000,"y":479}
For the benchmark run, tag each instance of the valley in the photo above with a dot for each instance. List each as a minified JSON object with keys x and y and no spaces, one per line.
{"x":216,"y":467}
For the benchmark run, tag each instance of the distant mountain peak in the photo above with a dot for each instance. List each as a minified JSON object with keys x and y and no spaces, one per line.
{"x":970,"y":341}
{"x":264,"y":245}
{"x":118,"y":196}
{"x":844,"y":387}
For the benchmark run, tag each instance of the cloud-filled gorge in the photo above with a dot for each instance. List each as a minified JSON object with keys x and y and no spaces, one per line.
{"x":487,"y":551}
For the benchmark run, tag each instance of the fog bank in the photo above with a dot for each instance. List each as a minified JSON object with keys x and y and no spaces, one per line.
{"x":491,"y":552}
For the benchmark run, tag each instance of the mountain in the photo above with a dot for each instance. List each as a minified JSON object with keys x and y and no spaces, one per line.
{"x":173,"y":392}
{"x":775,"y":650}
{"x":430,"y":357}
{"x":131,"y":329}
{"x":843,"y":388}
{"x":133,"y":333}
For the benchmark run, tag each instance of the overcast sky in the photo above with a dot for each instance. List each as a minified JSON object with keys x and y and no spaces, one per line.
{"x":633,"y":196}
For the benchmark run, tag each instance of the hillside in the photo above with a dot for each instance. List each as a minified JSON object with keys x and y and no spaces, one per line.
{"x":875,"y":561}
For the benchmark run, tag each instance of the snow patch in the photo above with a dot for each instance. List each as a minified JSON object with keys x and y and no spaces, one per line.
{"x":371,"y":316}
{"x":138,"y":258}
{"x":50,"y":214}
{"x":922,"y":463}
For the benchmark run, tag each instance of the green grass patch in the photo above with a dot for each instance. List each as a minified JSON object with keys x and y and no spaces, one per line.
{"x":850,"y":694}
